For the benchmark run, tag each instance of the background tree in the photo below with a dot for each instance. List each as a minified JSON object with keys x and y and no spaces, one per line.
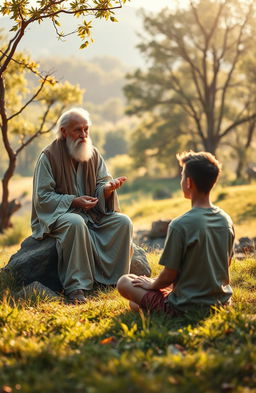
{"x":13,"y":119}
{"x":241,"y":142}
{"x":193,"y":58}
{"x":30,"y":111}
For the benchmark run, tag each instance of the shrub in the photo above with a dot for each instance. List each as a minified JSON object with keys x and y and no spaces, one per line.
{"x":16,"y":233}
{"x":161,"y":193}
{"x":221,"y":196}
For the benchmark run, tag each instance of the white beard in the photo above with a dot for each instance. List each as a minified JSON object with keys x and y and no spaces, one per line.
{"x":80,"y":151}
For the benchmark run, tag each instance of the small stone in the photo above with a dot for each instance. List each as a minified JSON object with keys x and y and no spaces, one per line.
{"x":227,"y":386}
{"x":159,"y":229}
{"x":37,"y":289}
{"x":139,"y":263}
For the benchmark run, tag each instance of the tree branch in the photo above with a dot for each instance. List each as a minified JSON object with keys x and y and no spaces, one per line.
{"x":230,"y":73}
{"x":28,"y":67}
{"x":16,"y":39}
{"x":237,"y":123}
{"x":13,"y":48}
{"x":4,"y":53}
{"x":39,"y":131}
{"x":4,"y":127}
{"x":194,"y":114}
{"x":74,"y":12}
{"x":30,"y":100}
{"x":251,"y":129}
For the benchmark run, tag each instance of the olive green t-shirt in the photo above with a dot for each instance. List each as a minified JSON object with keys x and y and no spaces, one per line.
{"x":199,"y":245}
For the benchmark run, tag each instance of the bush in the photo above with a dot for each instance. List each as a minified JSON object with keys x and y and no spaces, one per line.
{"x":161,"y":193}
{"x":16,"y":233}
{"x":221,"y":196}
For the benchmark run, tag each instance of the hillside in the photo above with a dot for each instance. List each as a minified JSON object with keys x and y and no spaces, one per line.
{"x":102,"y":78}
{"x":238,"y":201}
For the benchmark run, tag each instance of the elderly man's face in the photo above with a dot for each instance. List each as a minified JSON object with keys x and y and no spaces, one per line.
{"x":77,"y":129}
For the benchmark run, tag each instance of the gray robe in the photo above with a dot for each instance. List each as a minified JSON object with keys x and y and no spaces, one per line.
{"x":89,"y":250}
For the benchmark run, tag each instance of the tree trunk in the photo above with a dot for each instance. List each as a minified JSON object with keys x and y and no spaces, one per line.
{"x":7,"y":208}
{"x":5,"y":219}
{"x":239,"y":168}
{"x":210,"y":145}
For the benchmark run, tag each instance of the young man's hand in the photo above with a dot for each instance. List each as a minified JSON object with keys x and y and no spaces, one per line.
{"x":113,"y":185}
{"x":163,"y":280}
{"x":143,"y":282}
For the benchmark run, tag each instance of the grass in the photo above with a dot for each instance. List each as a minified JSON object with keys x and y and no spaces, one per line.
{"x":47,"y":346}
{"x":14,"y":235}
{"x":103,"y":347}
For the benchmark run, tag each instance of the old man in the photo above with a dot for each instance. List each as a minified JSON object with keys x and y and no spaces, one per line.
{"x":75,"y":201}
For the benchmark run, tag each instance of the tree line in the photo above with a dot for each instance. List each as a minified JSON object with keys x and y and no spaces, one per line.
{"x":198,"y":90}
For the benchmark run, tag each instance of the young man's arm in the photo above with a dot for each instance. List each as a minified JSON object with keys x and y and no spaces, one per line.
{"x":163,"y":280}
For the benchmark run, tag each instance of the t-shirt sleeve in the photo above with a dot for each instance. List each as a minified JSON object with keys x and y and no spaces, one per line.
{"x":173,"y":249}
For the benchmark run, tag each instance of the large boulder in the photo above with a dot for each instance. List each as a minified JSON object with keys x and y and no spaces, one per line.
{"x":37,"y":260}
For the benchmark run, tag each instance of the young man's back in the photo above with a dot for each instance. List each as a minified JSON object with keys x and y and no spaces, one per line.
{"x":199,"y":245}
{"x":197,"y":252}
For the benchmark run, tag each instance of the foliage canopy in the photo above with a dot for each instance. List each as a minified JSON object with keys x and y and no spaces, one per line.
{"x":193,"y":86}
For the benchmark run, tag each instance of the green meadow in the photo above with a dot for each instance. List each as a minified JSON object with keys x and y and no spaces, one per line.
{"x":101,"y":346}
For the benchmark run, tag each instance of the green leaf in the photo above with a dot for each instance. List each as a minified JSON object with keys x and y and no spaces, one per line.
{"x":84,"y":45}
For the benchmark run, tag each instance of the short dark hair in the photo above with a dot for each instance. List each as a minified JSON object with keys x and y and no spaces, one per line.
{"x":202,"y":167}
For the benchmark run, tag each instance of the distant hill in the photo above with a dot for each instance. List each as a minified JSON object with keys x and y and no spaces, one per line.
{"x":101,"y":77}
{"x":111,"y":39}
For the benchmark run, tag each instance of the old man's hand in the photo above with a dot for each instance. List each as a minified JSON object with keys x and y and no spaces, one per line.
{"x":113,"y":185}
{"x":84,"y":202}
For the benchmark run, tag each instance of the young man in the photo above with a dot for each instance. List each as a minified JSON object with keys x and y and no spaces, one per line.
{"x":197,"y":252}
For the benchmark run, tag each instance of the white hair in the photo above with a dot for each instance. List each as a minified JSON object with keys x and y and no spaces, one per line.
{"x":67,"y":116}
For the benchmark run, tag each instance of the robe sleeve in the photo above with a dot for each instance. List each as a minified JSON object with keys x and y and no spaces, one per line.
{"x":47,"y":205}
{"x":103,"y":176}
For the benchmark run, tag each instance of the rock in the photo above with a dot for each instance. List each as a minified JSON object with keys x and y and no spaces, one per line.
{"x":155,"y":238}
{"x":240,"y":256}
{"x":37,"y":260}
{"x":245,"y":245}
{"x":139,"y":263}
{"x":159,"y":229}
{"x":155,"y":244}
{"x":36,"y":289}
{"x":251,"y":172}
